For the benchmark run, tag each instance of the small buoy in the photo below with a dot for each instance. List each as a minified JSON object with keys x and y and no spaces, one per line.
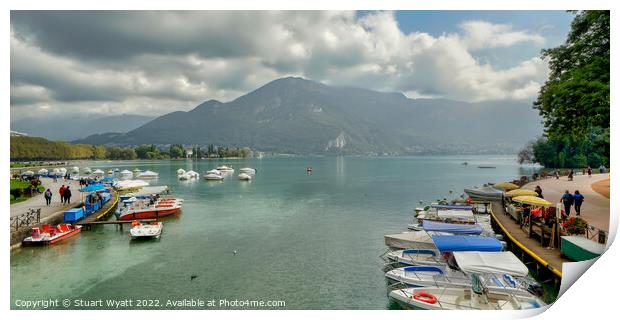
{"x":234,"y":251}
{"x":192,"y":277}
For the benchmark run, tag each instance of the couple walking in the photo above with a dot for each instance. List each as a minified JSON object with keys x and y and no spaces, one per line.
{"x":569,"y":200}
{"x":65,"y":194}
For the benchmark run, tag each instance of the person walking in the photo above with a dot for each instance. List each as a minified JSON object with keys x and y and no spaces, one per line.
{"x":48,"y":197}
{"x":567,"y":200}
{"x":570,"y":175}
{"x":578,"y":199}
{"x":67,"y":195}
{"x":61,"y":191}
{"x":538,"y":191}
{"x":589,"y":172}
{"x":557,"y":173}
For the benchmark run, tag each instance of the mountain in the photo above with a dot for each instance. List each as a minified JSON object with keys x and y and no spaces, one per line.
{"x":295,"y":115}
{"x":77,"y":127}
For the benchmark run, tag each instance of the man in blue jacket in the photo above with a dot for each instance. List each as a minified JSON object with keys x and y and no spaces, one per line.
{"x":578,"y":199}
{"x":567,"y":200}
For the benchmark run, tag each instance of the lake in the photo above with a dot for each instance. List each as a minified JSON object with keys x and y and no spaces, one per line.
{"x":311,"y":240}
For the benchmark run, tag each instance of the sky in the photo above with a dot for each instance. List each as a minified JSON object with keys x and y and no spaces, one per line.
{"x":154,"y":62}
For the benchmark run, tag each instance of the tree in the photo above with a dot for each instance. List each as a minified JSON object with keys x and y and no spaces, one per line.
{"x":575,"y":98}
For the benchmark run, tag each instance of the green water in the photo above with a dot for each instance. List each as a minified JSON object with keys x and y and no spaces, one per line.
{"x":312,"y":241}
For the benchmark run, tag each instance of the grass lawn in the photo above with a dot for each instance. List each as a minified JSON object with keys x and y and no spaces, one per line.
{"x":20,"y":184}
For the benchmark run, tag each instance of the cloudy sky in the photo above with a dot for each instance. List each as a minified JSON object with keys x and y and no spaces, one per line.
{"x":154,"y":62}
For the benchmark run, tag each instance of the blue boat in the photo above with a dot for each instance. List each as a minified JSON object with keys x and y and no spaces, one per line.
{"x":472,"y":229}
{"x":467,"y":243}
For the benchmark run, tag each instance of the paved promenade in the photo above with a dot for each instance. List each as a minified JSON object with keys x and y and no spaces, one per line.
{"x":595,"y":208}
{"x":38,"y":201}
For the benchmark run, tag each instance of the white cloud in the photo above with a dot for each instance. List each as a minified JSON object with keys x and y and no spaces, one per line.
{"x":184,"y":58}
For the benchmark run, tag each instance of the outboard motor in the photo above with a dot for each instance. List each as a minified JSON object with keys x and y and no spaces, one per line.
{"x":535,"y":289}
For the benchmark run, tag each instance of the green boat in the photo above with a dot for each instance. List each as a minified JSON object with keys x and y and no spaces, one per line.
{"x":579,"y":248}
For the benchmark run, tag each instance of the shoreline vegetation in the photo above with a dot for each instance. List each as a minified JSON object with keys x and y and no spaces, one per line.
{"x":42,"y":150}
{"x":574,"y":102}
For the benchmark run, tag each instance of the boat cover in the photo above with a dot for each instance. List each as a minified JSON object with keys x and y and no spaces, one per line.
{"x":454,"y":207}
{"x":406,"y":240}
{"x":429,"y":225}
{"x":93,"y":187}
{"x":98,"y":171}
{"x":127,"y":184}
{"x":467,"y":243}
{"x":126,"y":172}
{"x":147,"y":191}
{"x":490,"y":262}
{"x":455,"y":214}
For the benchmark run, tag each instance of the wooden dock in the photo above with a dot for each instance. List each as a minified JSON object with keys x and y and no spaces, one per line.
{"x":104,"y":212}
{"x":88,"y":225}
{"x":548,"y":260}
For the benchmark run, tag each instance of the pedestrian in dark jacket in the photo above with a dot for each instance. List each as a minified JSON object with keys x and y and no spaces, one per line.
{"x":67,"y":195}
{"x":567,"y":200}
{"x":48,"y":197}
{"x":61,"y":191}
{"x":578,"y":198}
{"x":538,"y":191}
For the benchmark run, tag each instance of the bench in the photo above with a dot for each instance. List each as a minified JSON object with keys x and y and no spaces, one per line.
{"x":540,"y":230}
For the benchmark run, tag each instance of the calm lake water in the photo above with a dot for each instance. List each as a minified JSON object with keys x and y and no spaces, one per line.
{"x":313,"y":241}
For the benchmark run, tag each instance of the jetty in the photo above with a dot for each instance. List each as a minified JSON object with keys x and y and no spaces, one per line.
{"x":548,"y":260}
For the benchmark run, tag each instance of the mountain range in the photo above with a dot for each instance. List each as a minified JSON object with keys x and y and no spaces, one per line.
{"x":77,"y":126}
{"x":295,"y":115}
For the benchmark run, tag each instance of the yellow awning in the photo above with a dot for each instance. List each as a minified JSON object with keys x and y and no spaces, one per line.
{"x":521,"y":192}
{"x":506,"y":186}
{"x":532,"y":200}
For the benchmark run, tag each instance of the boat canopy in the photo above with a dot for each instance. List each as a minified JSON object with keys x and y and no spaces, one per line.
{"x":453,"y":207}
{"x":146,"y":191}
{"x":490,"y":262}
{"x":93,"y":187}
{"x":429,"y":225}
{"x":126,"y":172}
{"x":98,"y":171}
{"x":455,"y":214}
{"x":467,"y":243}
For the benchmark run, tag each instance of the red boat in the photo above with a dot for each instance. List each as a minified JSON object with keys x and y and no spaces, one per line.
{"x":48,"y":234}
{"x":145,"y":209}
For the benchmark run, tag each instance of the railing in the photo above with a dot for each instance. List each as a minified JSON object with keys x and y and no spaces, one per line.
{"x":593,"y":232}
{"x":27,"y":219}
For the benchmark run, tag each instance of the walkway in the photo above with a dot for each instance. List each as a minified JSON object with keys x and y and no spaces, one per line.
{"x":38,"y":201}
{"x":595,"y":208}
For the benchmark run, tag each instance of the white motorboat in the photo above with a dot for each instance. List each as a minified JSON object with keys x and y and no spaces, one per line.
{"x":248,"y":171}
{"x":438,"y":298}
{"x":28,"y":173}
{"x":130,"y":184}
{"x":214,"y":171}
{"x":126,"y":174}
{"x":75,"y":170}
{"x":225,"y":169}
{"x":180,"y":172}
{"x":192,"y":174}
{"x":42,"y":172}
{"x":148,"y":174}
{"x":63,"y":170}
{"x":213,"y":176}
{"x":144,"y":231}
{"x":86,"y":170}
{"x":497,"y":270}
{"x":98,"y":172}
{"x":485,"y":193}
{"x":407,"y":240}
{"x":244,"y":177}
{"x":184,"y":177}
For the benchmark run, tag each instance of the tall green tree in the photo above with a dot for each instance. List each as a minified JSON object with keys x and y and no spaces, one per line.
{"x":575,"y":98}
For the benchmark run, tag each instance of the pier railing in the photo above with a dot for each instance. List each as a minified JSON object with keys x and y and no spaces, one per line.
{"x":27,"y":219}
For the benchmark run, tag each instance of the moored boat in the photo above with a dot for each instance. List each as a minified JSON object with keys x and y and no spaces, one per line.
{"x":485,"y":193}
{"x":148,"y":174}
{"x":213,"y":176}
{"x":148,"y":208}
{"x":438,"y":298}
{"x":245,"y":177}
{"x":226,"y":169}
{"x":146,"y":231}
{"x":48,"y":234}
{"x":248,"y":170}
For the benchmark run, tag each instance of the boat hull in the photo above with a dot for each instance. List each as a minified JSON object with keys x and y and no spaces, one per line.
{"x":151,"y":214}
{"x":50,"y":241}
